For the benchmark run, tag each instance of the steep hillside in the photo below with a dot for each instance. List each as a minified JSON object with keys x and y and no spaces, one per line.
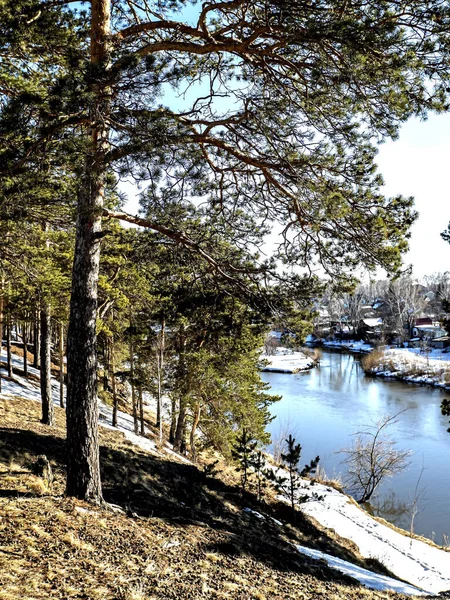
{"x":182,"y":535}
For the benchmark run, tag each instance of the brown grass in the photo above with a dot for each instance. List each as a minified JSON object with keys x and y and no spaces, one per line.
{"x":183,"y":537}
{"x":371,"y":361}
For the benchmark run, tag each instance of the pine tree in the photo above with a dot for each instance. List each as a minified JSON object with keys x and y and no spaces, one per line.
{"x":290,"y":485}
{"x":242,"y":452}
{"x":257,"y":462}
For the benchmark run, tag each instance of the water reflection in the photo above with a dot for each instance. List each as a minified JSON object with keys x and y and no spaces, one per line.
{"x":333,"y":401}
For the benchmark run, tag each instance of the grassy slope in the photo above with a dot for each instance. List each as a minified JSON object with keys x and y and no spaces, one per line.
{"x":182,"y":537}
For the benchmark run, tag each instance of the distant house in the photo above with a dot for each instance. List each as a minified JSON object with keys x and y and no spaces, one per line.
{"x":370,"y":329}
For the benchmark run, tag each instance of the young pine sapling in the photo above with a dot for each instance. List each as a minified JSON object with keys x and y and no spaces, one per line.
{"x":243,"y":449}
{"x":290,"y":485}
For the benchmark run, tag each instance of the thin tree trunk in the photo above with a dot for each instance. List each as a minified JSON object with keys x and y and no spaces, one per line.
{"x":61,"y":364}
{"x":195,"y":422}
{"x":113,"y":383}
{"x":8,"y":345}
{"x":36,"y":341}
{"x":160,"y":366}
{"x":173,"y":420}
{"x":107,"y":365}
{"x":179,"y":442}
{"x":46,"y":382}
{"x":183,"y":447}
{"x":25,"y":348}
{"x":133,"y":387}
{"x":181,"y":425}
{"x":141,"y":411}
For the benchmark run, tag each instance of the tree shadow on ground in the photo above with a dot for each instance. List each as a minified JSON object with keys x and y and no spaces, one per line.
{"x":149,"y":487}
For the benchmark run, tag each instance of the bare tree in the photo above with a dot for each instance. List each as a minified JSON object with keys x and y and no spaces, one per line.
{"x":404,"y":301}
{"x":415,"y":507}
{"x":373,"y":457}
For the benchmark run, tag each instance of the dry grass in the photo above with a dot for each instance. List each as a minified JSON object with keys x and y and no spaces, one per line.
{"x":370,"y":362}
{"x":405,"y":368}
{"x":188,"y":537}
{"x":322,"y":477}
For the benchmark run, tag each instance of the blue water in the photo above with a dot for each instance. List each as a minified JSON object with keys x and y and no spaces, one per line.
{"x":324,"y":407}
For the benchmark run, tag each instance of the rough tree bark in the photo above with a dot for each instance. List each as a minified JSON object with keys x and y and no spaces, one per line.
{"x":179,"y":441}
{"x":46,"y":385}
{"x":83,"y":462}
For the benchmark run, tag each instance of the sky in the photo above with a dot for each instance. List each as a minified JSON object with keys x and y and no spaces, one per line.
{"x":418,"y":164}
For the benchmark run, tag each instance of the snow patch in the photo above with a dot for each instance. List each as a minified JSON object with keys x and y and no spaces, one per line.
{"x":367,"y":578}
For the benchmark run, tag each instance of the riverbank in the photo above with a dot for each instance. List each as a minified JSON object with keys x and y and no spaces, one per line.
{"x":403,"y":365}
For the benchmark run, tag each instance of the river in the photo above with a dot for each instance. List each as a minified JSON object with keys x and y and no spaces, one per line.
{"x":325,"y":406}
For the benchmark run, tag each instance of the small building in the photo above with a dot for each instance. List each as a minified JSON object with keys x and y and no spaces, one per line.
{"x":370,"y":329}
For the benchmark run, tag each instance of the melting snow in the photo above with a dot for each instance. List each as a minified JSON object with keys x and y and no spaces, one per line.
{"x":367,"y":578}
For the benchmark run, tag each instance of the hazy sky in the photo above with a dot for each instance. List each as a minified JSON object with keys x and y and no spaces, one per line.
{"x":418,"y":164}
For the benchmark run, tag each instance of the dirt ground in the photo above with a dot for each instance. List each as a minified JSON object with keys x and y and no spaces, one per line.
{"x":180,"y":535}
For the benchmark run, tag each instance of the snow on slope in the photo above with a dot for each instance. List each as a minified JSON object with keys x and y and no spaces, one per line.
{"x":417,"y":562}
{"x":367,"y":578}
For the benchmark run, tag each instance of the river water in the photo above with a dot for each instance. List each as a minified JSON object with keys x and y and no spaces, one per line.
{"x":325,"y":406}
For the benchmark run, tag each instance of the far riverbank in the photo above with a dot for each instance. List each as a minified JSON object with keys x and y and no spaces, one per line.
{"x":402,"y":365}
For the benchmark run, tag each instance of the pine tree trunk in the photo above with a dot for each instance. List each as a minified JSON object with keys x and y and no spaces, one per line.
{"x":113,"y":384}
{"x":193,"y":430}
{"x":8,"y":345}
{"x":61,"y":364}
{"x":141,"y":412}
{"x":160,"y":366}
{"x":36,"y":341}
{"x":178,"y":442}
{"x":107,"y":365}
{"x":133,"y":387}
{"x":83,"y":461}
{"x":25,"y":348}
{"x":46,"y":383}
{"x":173,"y":420}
